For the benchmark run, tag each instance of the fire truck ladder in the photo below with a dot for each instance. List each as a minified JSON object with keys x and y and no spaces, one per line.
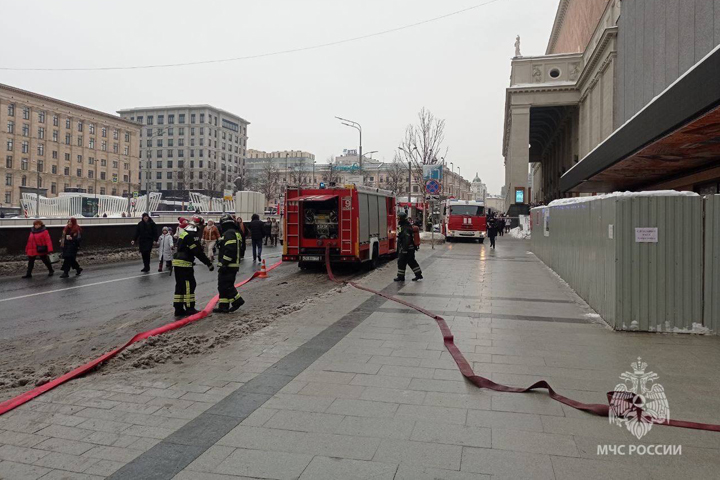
{"x":346,"y":244}
{"x":293,"y":228}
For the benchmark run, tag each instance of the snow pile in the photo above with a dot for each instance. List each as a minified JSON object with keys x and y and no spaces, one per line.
{"x":517,"y":232}
{"x":427,"y":237}
{"x":655,"y":193}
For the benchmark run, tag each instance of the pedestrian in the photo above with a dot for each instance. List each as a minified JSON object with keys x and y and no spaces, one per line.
{"x":229,"y":263}
{"x":39,"y":244}
{"x":145,"y":236}
{"x":508,"y":224}
{"x":492,"y":232}
{"x":407,"y":246}
{"x":210,"y":236}
{"x":70,"y":241}
{"x":243,"y":231}
{"x":257,"y":233}
{"x":2,"y":214}
{"x":267,"y":231}
{"x":188,"y":249}
{"x":123,"y":215}
{"x":274,"y":232}
{"x":166,"y":245}
{"x":500,"y":225}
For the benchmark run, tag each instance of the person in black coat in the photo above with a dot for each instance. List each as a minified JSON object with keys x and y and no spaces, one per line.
{"x":146,"y":235}
{"x":492,"y":231}
{"x":257,"y":233}
{"x":70,"y":242}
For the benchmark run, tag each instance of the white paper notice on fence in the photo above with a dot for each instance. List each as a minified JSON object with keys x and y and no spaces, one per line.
{"x":646,"y":235}
{"x":611,"y":232}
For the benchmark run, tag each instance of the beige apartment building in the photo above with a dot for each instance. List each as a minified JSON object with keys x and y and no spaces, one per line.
{"x":57,"y":146}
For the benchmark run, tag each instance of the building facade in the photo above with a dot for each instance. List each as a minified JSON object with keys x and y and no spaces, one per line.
{"x":478,"y":189}
{"x":622,"y":100}
{"x":257,"y":160}
{"x":55,"y":146}
{"x":189,"y":147}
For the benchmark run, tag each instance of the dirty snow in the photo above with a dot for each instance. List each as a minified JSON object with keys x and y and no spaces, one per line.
{"x":517,"y":232}
{"x":655,"y":193}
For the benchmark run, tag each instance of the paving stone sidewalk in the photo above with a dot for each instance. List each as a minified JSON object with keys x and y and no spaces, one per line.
{"x":356,"y":387}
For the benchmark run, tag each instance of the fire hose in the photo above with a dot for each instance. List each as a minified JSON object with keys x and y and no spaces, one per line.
{"x":624,"y":404}
{"x":8,"y":405}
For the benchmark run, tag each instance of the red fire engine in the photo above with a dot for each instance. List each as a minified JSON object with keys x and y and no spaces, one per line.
{"x":465,"y":219}
{"x":357,"y":223}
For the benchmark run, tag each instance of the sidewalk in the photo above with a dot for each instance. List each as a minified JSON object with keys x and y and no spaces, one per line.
{"x":354,"y":386}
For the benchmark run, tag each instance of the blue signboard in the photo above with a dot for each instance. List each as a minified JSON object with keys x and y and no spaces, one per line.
{"x":519,"y":196}
{"x":433,"y":172}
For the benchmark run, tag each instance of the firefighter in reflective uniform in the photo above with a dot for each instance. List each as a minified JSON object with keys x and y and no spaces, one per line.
{"x":188,"y":248}
{"x":406,"y":249}
{"x":229,"y":246}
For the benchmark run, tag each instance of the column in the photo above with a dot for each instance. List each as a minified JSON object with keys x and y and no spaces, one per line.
{"x":518,"y":159}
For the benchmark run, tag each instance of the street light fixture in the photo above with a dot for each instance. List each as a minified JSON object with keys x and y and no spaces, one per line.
{"x":358,"y":127}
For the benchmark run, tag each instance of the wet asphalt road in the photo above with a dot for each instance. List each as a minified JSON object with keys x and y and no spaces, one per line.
{"x":101,"y":295}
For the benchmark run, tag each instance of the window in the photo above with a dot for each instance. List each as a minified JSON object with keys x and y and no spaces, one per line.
{"x":114,"y":191}
{"x":23,"y":181}
{"x":140,"y":120}
{"x":102,"y":175}
{"x":192,"y":153}
{"x":415,"y":189}
{"x":55,"y":154}
{"x":80,"y":127}
{"x":11,"y":110}
{"x":53,"y":187}
{"x":79,"y":172}
{"x":8,"y":197}
{"x":67,"y":139}
{"x":55,"y":135}
{"x":169,"y":175}
{"x":41,"y":117}
{"x":158,"y":175}
{"x":201,"y":153}
{"x":159,"y":153}
{"x":192,"y":142}
{"x":53,"y":169}
{"x":102,"y":190}
{"x":116,"y":134}
{"x":201,"y":163}
{"x":169,"y":164}
{"x":126,"y":150}
{"x":149,"y":143}
{"x":115,"y":164}
{"x":192,"y":130}
{"x":116,"y":148}
{"x":67,"y":157}
{"x":158,"y":164}
{"x":171,"y":142}
{"x":170,"y":131}
{"x":92,"y":143}
{"x":202,"y":142}
{"x":126,"y":166}
{"x":171,"y":119}
{"x":161,"y":119}
{"x":103,"y":146}
{"x":91,"y":129}
{"x":11,"y":127}
{"x":192,"y":117}
{"x":91,"y":161}
{"x":150,"y":120}
{"x":202,"y":118}
{"x":170,"y":153}
{"x":181,"y":118}
{"x":9,"y":161}
{"x":181,"y":131}
{"x":202,"y":130}
{"x":103,"y":132}
{"x":159,"y":142}
{"x":125,"y":179}
{"x":25,"y":147}
{"x":91,"y":174}
{"x":26,"y":113}
{"x":56,"y":121}
{"x":41,"y":149}
{"x":79,"y":141}
{"x":41,"y":166}
{"x":79,"y":158}
{"x":10,"y":145}
{"x":127,"y":136}
{"x":26,"y":130}
{"x":103,"y":162}
{"x":41,"y":133}
{"x":8,"y":179}
{"x":181,"y":164}
{"x":181,"y":153}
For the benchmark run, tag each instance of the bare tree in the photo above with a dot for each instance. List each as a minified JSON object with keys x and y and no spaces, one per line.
{"x":395,"y":174}
{"x":423,"y":145}
{"x":268,"y":183}
{"x":333,"y":175}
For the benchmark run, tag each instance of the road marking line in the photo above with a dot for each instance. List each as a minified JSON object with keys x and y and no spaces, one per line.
{"x":79,"y":286}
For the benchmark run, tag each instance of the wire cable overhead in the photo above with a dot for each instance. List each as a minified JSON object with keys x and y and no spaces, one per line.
{"x":251,"y":57}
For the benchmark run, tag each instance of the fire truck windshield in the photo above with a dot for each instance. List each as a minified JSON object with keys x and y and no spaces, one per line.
{"x":469,"y":210}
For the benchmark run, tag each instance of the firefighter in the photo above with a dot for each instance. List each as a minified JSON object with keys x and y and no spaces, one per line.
{"x":188,"y":248}
{"x":229,"y":246}
{"x":406,"y":249}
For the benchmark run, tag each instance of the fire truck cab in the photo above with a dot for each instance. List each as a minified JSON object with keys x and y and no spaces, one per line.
{"x":465,"y":219}
{"x":358,"y":224}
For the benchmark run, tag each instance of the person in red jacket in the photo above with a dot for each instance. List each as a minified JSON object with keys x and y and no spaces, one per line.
{"x":38,"y":245}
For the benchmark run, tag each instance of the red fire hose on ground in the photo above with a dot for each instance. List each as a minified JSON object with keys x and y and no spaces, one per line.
{"x":625,"y":403}
{"x":8,"y":405}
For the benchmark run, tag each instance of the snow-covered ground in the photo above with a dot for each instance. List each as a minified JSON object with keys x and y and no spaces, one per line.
{"x":517,"y":232}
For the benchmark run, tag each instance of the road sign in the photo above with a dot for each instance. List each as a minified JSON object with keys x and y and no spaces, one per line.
{"x":432,"y":187}
{"x":135,"y":194}
{"x":228,"y":195}
{"x":433,"y":172}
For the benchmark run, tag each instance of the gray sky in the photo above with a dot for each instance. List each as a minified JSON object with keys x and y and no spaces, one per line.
{"x":457,"y":67}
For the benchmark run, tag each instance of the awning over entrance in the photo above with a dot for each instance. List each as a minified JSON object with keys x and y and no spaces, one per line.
{"x":312,"y":198}
{"x":675,"y":135}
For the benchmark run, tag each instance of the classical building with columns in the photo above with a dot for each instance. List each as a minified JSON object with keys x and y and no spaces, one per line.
{"x":626,"y":97}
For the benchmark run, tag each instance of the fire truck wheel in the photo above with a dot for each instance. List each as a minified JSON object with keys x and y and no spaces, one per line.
{"x":303,"y":265}
{"x":375,"y":260}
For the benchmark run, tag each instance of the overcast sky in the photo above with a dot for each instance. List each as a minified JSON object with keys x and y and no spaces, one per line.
{"x":457,"y":67}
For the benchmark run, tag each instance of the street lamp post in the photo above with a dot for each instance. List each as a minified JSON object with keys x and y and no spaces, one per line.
{"x":358,"y":127}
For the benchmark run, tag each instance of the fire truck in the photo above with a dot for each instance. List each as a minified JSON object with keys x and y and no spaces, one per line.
{"x":358,"y":224}
{"x":465,"y":219}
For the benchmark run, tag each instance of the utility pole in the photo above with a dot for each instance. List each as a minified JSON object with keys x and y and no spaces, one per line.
{"x":358,"y":127}
{"x":129,"y":189}
{"x":37,"y":195}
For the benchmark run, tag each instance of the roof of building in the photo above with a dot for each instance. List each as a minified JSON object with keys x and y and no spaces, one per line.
{"x":65,"y":104}
{"x":173,"y":107}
